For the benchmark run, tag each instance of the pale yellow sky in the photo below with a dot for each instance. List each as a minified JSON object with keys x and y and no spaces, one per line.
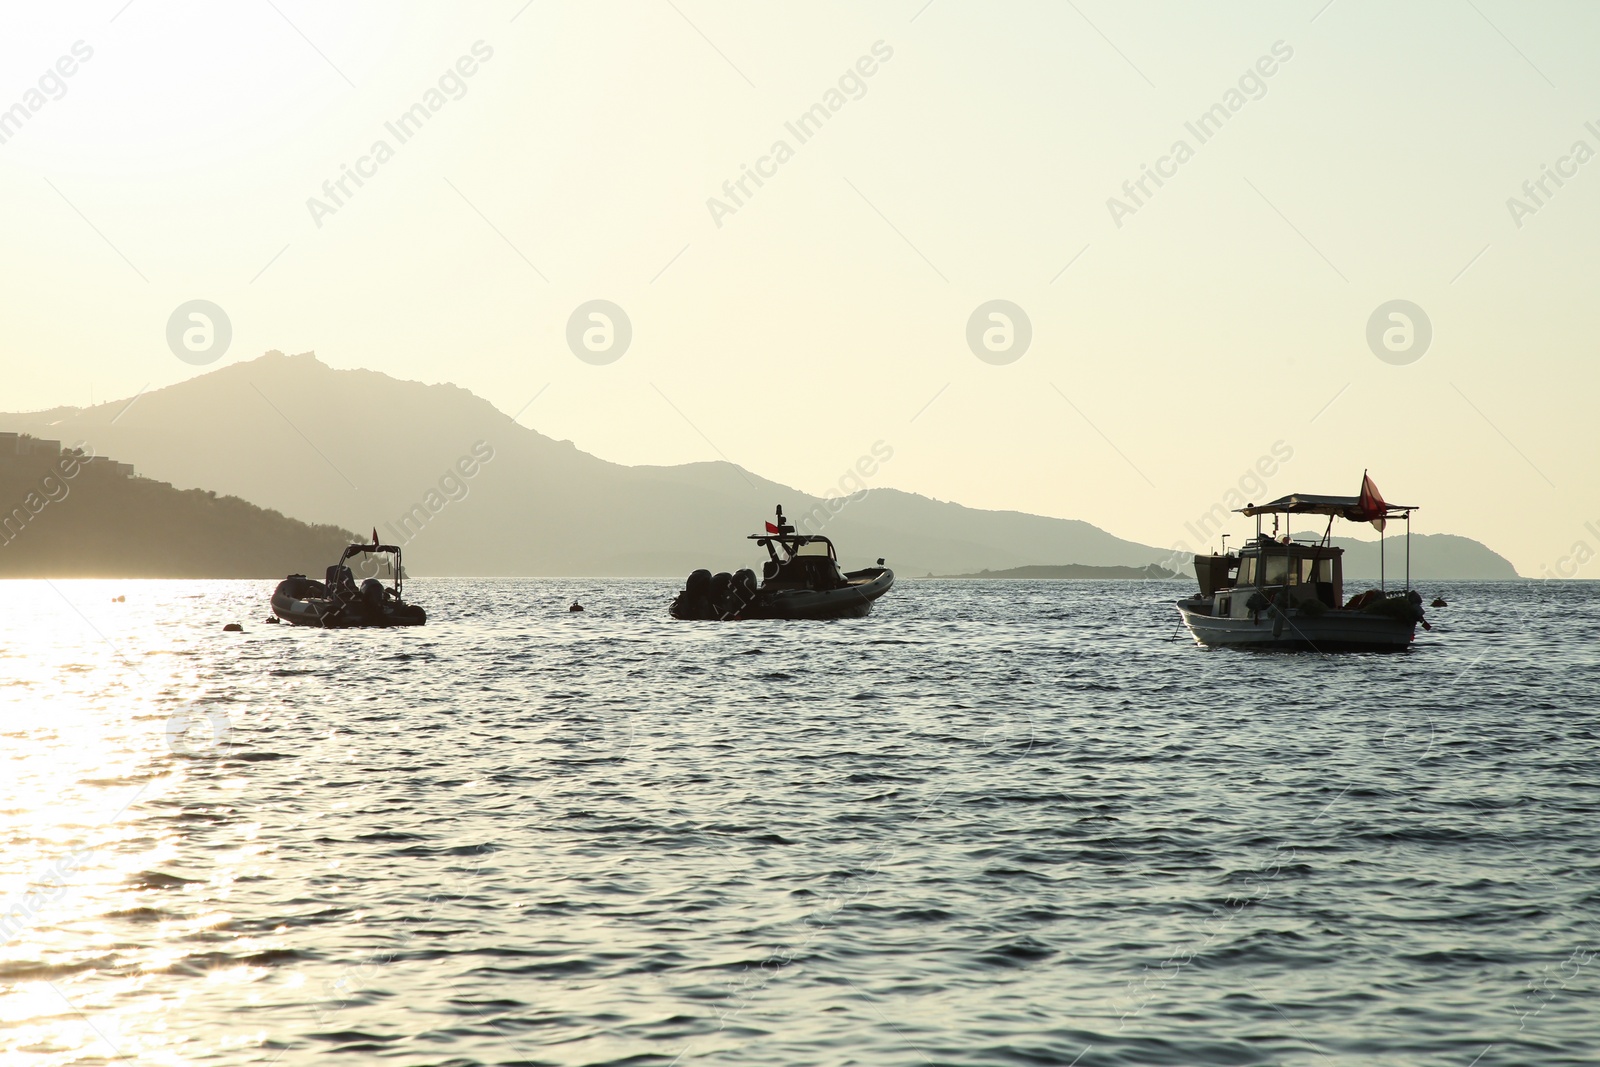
{"x":1227,"y":312}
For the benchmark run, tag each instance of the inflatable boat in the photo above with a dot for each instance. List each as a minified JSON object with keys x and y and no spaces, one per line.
{"x":801,"y":579}
{"x":338,"y":601}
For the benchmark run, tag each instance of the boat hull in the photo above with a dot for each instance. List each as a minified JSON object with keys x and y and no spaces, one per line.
{"x":853,"y":600}
{"x":1332,"y":631}
{"x":300,"y":601}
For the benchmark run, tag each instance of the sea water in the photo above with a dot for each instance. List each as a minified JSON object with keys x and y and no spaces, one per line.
{"x":993,"y":823}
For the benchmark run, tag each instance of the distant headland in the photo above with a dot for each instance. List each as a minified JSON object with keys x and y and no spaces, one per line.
{"x":1074,"y":571}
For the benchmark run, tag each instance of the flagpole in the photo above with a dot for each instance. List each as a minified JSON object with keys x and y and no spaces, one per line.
{"x":1408,"y":551}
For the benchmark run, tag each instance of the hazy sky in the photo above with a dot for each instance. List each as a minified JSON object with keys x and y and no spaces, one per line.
{"x":1175,"y":339}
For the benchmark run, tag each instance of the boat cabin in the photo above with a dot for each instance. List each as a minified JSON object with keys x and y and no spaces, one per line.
{"x":797,"y":560}
{"x":1293,"y":571}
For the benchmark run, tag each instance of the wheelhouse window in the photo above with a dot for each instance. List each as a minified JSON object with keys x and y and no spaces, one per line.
{"x":1247,"y":571}
{"x":1316,"y":570}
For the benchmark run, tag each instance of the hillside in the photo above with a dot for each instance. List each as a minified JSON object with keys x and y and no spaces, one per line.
{"x":68,"y":517}
{"x":1075,"y":571}
{"x":1434,"y":557}
{"x":359,"y":449}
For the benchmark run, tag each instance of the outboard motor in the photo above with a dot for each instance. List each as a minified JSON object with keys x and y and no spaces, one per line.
{"x":715,"y":596}
{"x":695,"y":600}
{"x":722,"y":602}
{"x":698,"y":587}
{"x":744,"y":587}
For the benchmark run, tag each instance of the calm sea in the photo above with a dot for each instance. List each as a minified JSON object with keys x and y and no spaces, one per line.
{"x":995,"y":823}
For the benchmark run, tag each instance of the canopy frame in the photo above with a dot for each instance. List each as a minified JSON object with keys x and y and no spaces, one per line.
{"x":1344,"y":507}
{"x":790,"y":540}
{"x":1349,"y":508}
{"x":394,"y":550}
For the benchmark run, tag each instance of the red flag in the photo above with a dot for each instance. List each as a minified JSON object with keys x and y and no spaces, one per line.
{"x":374,"y":535}
{"x":772,"y":529}
{"x":1372,"y":508}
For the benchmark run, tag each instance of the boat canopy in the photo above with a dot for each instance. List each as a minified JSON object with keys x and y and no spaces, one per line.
{"x":1352,"y":508}
{"x":396,"y":568}
{"x":356,"y":550}
{"x":796,"y":544}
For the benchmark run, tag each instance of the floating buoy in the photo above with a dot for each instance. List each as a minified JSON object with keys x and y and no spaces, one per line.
{"x":1438,"y":602}
{"x":575,"y":606}
{"x":119,"y":600}
{"x":233,"y":628}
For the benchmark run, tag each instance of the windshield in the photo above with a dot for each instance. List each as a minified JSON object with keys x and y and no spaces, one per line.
{"x":371,"y":565}
{"x":1316,"y":570}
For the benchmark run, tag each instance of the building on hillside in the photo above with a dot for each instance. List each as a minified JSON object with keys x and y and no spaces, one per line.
{"x":109,"y":466}
{"x":21,"y":444}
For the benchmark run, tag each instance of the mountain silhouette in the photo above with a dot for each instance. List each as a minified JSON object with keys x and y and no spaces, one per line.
{"x":468,"y":491}
{"x":1433,"y":557}
{"x":357,"y":449}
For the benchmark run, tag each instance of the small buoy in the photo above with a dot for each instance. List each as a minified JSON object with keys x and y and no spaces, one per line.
{"x":1438,"y":602}
{"x":233,"y":628}
{"x":119,"y":600}
{"x":575,"y":606}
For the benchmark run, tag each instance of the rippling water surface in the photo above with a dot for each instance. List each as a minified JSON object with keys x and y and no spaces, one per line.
{"x":995,"y":823}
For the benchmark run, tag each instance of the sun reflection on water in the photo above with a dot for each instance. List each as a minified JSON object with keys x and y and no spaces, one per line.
{"x":95,"y":894}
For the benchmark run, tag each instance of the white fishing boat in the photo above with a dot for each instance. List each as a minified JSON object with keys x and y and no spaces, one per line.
{"x":1278,"y":593}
